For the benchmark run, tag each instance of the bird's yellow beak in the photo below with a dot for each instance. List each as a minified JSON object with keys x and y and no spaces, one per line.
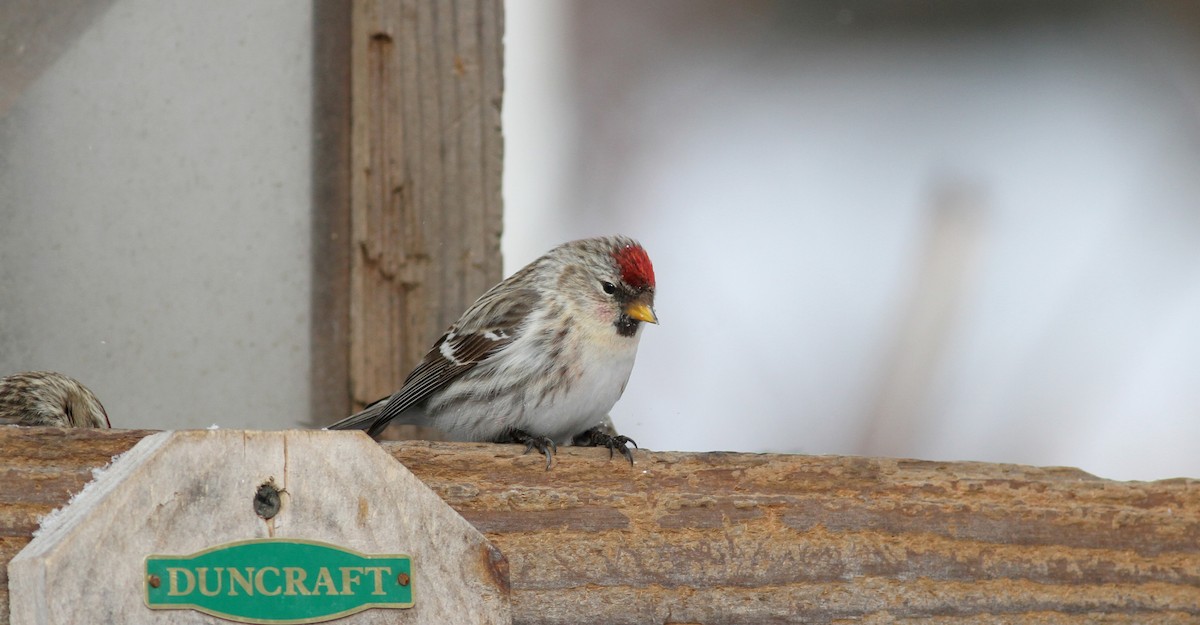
{"x":641,"y":312}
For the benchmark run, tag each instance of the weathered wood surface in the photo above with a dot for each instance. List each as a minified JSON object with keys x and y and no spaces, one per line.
{"x":744,"y":538}
{"x":426,"y":87}
{"x":40,"y":468}
{"x":183,"y":492}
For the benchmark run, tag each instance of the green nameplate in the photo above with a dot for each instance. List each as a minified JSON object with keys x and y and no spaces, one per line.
{"x":278,"y":581}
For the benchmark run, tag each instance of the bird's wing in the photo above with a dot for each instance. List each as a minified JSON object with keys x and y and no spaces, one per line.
{"x":489,"y":326}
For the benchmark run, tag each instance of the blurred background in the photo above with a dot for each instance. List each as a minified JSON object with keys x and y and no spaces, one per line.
{"x":940,"y":230}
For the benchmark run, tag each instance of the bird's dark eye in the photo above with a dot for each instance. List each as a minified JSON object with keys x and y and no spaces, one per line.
{"x":609,"y":287}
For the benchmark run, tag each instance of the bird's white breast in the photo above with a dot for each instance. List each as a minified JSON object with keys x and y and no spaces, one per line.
{"x":559,"y":398}
{"x":589,"y":397}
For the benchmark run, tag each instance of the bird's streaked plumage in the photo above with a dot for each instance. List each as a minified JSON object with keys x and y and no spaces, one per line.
{"x":539,"y":358}
{"x":48,"y":398}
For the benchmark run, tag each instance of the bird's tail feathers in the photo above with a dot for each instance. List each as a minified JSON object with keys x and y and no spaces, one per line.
{"x":369,"y":419}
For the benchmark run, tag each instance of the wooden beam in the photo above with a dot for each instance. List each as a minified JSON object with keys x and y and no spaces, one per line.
{"x":762,"y":538}
{"x":330,"y":329}
{"x":426,"y":88}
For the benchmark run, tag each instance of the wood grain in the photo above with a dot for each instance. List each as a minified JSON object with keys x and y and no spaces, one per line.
{"x":426,"y":152}
{"x":742,"y":538}
{"x":186,"y":491}
{"x":763,"y":538}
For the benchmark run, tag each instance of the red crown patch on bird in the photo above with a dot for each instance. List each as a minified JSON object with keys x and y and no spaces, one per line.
{"x":635,"y":266}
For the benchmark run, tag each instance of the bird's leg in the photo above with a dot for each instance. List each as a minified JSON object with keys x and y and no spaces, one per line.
{"x":600,"y":437}
{"x":541,"y":443}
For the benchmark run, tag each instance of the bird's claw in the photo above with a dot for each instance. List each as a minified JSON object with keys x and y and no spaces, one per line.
{"x":597,"y":437}
{"x":544,"y":444}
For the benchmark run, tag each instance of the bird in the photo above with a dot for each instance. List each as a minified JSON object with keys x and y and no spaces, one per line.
{"x":49,"y":398}
{"x":539,"y":359}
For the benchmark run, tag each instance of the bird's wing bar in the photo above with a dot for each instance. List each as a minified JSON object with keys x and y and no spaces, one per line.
{"x":489,"y":325}
{"x":452,"y":356}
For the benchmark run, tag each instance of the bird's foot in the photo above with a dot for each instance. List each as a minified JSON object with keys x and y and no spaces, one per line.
{"x":543,"y":444}
{"x":599,"y":437}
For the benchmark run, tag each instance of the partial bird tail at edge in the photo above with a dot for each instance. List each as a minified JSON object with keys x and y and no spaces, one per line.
{"x":369,"y":420}
{"x":360,"y":420}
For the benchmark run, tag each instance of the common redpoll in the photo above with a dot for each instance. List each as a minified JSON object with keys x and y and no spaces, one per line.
{"x":539,"y":359}
{"x":50,"y":399}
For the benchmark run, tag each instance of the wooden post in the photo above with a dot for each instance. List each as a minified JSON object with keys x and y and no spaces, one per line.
{"x":426,"y":151}
{"x":330,"y":329}
{"x":760,"y":538}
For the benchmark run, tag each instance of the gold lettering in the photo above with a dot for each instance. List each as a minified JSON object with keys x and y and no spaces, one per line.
{"x":348,"y":582}
{"x":173,"y":589}
{"x":258,"y":581}
{"x":294,"y":577}
{"x":326,"y":580}
{"x":245,"y":581}
{"x":379,"y":572}
{"x":202,"y":573}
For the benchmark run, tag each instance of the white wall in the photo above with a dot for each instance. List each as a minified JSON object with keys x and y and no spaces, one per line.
{"x":155,"y":215}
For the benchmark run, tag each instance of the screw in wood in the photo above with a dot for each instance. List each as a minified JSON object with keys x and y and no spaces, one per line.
{"x":266,"y":500}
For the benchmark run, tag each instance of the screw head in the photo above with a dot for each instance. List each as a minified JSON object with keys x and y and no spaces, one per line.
{"x":402,"y":579}
{"x":155,"y":581}
{"x":266,"y":500}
